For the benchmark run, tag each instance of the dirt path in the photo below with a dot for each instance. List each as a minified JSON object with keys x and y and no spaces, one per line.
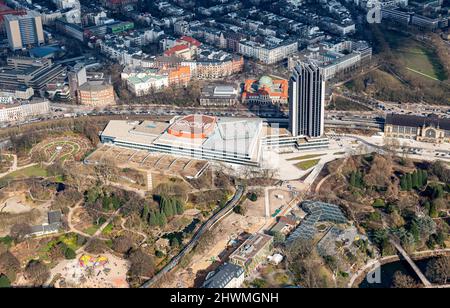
{"x":145,"y":236}
{"x":14,"y":166}
{"x":69,"y":220}
{"x":338,"y":172}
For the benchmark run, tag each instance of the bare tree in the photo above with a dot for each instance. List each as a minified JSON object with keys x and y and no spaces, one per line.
{"x":9,"y":265}
{"x":19,"y":231}
{"x":380,"y":172}
{"x":37,"y":273}
{"x":404,"y":281}
{"x":122,"y":244}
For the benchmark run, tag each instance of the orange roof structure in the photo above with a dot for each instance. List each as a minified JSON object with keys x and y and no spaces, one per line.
{"x":266,"y":87}
{"x":176,"y":49}
{"x":190,"y":40}
{"x":193,"y":127}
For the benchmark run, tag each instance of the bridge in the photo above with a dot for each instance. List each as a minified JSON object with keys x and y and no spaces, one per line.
{"x":413,"y":265}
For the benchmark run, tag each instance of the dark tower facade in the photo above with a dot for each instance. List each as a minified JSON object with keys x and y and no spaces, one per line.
{"x":306,"y":101}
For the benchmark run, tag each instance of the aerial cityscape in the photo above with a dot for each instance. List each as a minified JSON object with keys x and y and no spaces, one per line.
{"x":212,"y":144}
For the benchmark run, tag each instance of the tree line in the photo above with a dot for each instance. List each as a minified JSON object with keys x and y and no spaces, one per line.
{"x":168,"y":208}
{"x":415,"y":180}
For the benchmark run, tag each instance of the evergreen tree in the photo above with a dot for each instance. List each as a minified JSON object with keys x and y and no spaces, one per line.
{"x":153,"y":221}
{"x":437,"y":191}
{"x":4,"y":281}
{"x":179,"y":206}
{"x":427,"y":207}
{"x":174,"y":242}
{"x":173,"y":205}
{"x":433,"y":211}
{"x":415,"y":231}
{"x":69,"y":253}
{"x":359,"y":179}
{"x":403,"y":183}
{"x":424,"y":178}
{"x":353,"y":179}
{"x":414,"y":179}
{"x":145,"y":213}
{"x":166,"y":207}
{"x":409,"y":181}
{"x":162,"y":220}
{"x":419,"y":178}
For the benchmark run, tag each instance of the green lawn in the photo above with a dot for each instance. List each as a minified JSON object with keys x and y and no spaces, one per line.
{"x":91,"y":230}
{"x":33,"y":171}
{"x":309,"y":156}
{"x":416,"y":56}
{"x":71,"y":240}
{"x":342,"y":104}
{"x":108,"y":229}
{"x":307,"y":164}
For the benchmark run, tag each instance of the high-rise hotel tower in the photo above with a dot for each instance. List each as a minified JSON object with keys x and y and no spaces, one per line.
{"x":306,"y":101}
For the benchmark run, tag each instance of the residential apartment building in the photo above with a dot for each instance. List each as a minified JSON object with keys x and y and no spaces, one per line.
{"x":218,"y":67}
{"x":144,"y":81}
{"x":21,"y":112}
{"x":269,"y":52}
{"x":144,"y":84}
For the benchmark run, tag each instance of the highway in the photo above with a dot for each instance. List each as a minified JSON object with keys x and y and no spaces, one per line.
{"x":193,"y":242}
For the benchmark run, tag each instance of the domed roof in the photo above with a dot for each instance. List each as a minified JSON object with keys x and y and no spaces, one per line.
{"x":265,"y":81}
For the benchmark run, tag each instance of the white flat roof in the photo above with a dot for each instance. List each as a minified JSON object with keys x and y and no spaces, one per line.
{"x":240,"y":136}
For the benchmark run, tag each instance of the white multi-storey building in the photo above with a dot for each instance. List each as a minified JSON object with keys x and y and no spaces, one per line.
{"x":268,"y":53}
{"x":22,"y":112}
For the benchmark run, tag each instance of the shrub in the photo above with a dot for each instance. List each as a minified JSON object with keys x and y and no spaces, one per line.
{"x":69,"y":253}
{"x":4,"y":281}
{"x":252,"y":196}
{"x":239,"y":209}
{"x":378,"y":203}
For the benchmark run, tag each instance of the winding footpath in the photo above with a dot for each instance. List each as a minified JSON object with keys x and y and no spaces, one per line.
{"x":144,"y":236}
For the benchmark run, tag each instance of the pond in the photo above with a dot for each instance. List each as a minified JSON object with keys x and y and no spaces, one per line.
{"x":60,"y":186}
{"x":388,"y":270}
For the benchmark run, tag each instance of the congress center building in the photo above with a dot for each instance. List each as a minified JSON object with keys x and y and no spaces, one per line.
{"x":223,"y":139}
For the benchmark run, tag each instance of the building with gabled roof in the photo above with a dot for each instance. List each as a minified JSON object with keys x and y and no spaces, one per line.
{"x":252,"y":252}
{"x":228,"y":275}
{"x":421,"y":128}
